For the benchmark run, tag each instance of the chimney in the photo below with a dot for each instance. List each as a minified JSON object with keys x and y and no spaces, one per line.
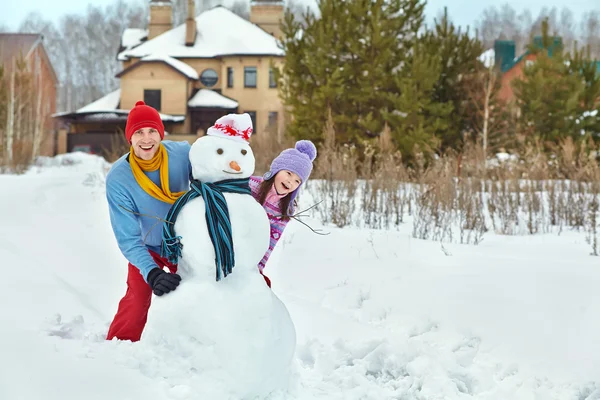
{"x":504,"y":53}
{"x":267,"y":14}
{"x":161,"y":18}
{"x":553,"y":44}
{"x":190,"y":24}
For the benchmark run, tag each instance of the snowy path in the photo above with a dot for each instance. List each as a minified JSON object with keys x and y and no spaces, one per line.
{"x":379,"y":315}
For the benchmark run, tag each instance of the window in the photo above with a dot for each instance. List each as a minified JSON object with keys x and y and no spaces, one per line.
{"x":273,"y":125}
{"x":229,"y":77}
{"x":250,"y":77}
{"x":273,"y":118}
{"x":152,"y":98}
{"x":272,"y":81}
{"x":253,"y":118}
{"x":209,"y":77}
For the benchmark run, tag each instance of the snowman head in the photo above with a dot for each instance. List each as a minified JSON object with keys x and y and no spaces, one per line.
{"x":224,"y":153}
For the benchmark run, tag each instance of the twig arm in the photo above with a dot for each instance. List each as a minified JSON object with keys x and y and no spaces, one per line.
{"x":144,"y":215}
{"x":297,"y":216}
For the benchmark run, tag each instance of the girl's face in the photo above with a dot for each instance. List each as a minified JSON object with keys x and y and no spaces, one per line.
{"x":286,"y":182}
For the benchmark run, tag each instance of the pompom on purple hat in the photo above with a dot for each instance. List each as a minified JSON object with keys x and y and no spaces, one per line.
{"x":298,"y":160}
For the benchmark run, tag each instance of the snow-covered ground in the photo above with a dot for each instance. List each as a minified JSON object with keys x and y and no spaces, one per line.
{"x":379,"y":315}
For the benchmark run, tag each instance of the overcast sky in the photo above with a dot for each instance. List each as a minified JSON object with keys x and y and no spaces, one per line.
{"x":462,"y":12}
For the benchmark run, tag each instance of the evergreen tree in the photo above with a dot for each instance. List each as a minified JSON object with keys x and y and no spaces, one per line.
{"x":414,"y":118}
{"x":346,"y":60}
{"x":457,"y":52}
{"x":581,"y":64}
{"x":548,"y":94}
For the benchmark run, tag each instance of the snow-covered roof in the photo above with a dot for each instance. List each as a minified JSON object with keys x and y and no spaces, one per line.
{"x":220,"y":32}
{"x":110,"y":102}
{"x":106,"y":108}
{"x":178,"y":65}
{"x":488,"y":58}
{"x":133,"y":37}
{"x":267,"y":2}
{"x":210,"y":98}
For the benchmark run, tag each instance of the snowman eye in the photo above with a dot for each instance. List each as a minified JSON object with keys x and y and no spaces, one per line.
{"x":219,"y":151}
{"x":244,"y":152}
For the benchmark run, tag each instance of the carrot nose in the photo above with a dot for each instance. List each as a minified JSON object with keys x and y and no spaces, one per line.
{"x":235,"y":166}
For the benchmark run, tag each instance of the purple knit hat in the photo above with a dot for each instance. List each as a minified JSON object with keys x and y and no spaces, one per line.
{"x":298,"y":160}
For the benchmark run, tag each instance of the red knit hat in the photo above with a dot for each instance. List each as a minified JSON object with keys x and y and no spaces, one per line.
{"x":143,"y":116}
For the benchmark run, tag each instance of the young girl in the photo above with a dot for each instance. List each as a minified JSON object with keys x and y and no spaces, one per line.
{"x":276,"y":191}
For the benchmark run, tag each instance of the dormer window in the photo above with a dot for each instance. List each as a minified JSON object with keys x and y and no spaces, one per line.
{"x":152,"y":97}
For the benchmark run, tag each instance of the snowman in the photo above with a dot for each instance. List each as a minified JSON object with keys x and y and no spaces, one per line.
{"x":223,"y":320}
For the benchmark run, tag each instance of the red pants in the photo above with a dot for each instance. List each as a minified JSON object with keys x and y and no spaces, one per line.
{"x":266,"y":278}
{"x":132,"y":313}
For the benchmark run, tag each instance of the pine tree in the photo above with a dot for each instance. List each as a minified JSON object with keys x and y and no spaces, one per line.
{"x":414,"y":118}
{"x":346,"y":61}
{"x":309,"y":77}
{"x":547,"y":93}
{"x":457,"y":51}
{"x":581,"y":64}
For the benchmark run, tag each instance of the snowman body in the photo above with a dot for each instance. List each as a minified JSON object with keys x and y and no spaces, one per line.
{"x":235,"y":333}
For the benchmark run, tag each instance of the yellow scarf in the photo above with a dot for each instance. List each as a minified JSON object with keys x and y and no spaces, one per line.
{"x":159,"y":161}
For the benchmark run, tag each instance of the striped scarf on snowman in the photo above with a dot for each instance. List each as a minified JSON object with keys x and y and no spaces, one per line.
{"x":217,"y":221}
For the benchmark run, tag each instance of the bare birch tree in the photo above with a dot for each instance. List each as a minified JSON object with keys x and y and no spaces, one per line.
{"x":38,"y":120}
{"x":3,"y":110}
{"x":10,"y":117}
{"x":83,"y":48}
{"x":506,"y":24}
{"x":241,"y":8}
{"x":590,"y":28}
{"x":488,"y":119}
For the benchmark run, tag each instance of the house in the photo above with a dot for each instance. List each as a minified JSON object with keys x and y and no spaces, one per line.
{"x":30,"y":48}
{"x":510,"y":66}
{"x":213,"y":64}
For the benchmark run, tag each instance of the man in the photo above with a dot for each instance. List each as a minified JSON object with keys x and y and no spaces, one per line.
{"x":140,"y":188}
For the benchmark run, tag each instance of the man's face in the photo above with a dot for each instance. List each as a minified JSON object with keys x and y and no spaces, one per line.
{"x":145,"y":143}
